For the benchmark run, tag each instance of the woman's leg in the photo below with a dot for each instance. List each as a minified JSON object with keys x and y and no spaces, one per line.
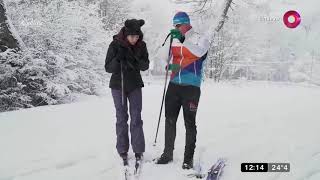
{"x":136,"y":124}
{"x":122,"y":121}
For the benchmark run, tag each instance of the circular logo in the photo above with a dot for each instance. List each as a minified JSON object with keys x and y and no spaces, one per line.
{"x":292,"y":19}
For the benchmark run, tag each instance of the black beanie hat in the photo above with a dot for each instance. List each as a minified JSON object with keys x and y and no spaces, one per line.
{"x":133,"y":27}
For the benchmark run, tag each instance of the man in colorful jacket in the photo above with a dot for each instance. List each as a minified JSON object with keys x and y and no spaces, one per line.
{"x":189,"y":50}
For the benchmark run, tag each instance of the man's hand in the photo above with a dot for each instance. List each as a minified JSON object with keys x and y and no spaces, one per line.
{"x":173,"y":67}
{"x":175,"y":33}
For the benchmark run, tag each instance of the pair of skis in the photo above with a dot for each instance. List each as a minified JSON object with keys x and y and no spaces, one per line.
{"x":128,"y":175}
{"x":214,"y":172}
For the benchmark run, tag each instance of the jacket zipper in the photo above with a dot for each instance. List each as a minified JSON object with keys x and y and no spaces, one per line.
{"x":182,"y":57}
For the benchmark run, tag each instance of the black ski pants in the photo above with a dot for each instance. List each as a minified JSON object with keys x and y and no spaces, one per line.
{"x":188,"y":97}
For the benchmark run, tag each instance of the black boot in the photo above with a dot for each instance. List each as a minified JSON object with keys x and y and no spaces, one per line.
{"x":164,"y":159}
{"x":138,"y":156}
{"x":138,"y":163}
{"x":124,"y":157}
{"x":187,"y":164}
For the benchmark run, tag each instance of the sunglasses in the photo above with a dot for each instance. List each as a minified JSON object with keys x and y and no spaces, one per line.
{"x":178,"y":25}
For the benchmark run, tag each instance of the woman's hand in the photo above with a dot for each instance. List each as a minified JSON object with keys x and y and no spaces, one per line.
{"x":121,"y":54}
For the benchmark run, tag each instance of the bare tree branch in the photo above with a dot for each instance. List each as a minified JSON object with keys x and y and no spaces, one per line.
{"x":203,"y":6}
{"x":224,"y":15}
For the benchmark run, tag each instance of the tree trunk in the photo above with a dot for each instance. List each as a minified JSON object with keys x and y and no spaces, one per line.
{"x":7,"y":40}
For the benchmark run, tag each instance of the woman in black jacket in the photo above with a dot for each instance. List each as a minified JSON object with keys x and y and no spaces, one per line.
{"x":127,"y":56}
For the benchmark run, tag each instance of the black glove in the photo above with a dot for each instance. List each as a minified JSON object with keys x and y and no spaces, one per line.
{"x":130,"y":57}
{"x":121,"y":54}
{"x":131,"y":61}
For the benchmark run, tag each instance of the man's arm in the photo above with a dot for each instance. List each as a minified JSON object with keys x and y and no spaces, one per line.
{"x":198,"y":47}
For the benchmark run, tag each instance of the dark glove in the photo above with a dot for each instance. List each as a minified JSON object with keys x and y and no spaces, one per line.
{"x":173,"y":67}
{"x":121,"y":54}
{"x":130,"y":57}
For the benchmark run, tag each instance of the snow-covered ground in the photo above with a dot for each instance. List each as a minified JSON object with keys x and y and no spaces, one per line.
{"x":251,"y":122}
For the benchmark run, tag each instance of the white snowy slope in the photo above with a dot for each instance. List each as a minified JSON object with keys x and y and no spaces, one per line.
{"x":255,"y":122}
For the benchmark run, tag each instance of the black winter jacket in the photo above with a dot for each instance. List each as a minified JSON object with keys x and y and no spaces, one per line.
{"x":133,"y":60}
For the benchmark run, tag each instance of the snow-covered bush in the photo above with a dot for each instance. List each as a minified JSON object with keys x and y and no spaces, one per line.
{"x":66,"y":44}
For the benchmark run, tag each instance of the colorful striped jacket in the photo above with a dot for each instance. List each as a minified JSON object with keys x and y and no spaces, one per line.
{"x":190,"y":55}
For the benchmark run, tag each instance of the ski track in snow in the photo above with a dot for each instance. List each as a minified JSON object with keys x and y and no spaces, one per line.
{"x":254,"y":122}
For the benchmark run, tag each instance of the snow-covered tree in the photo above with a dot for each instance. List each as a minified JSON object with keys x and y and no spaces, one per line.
{"x":66,"y":44}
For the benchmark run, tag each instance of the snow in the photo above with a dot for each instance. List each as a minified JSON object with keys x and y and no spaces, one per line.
{"x":243,"y":122}
{"x":239,"y":121}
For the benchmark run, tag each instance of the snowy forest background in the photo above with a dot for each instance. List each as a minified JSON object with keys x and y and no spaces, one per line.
{"x":53,"y":51}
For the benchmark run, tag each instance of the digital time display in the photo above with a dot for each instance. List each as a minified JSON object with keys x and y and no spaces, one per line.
{"x":254,"y":167}
{"x":265,"y":167}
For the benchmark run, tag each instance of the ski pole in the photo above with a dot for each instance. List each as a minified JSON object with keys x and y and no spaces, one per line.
{"x":166,"y":39}
{"x":165,"y":86}
{"x":122,"y":84}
